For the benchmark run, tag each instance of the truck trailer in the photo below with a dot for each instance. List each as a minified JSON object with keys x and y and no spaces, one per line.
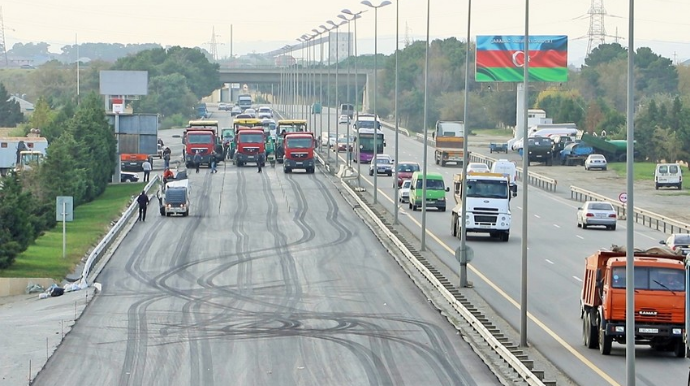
{"x":14,"y":151}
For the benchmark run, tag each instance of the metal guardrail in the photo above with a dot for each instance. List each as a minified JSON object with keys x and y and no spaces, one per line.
{"x":525,"y":373}
{"x":107,"y":240}
{"x":642,"y":216}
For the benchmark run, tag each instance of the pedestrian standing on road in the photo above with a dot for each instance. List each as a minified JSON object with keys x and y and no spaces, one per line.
{"x":197,"y":161}
{"x":147,"y":170}
{"x":143,"y":201}
{"x":166,"y":157}
{"x":213,"y":163}
{"x":260,"y":162}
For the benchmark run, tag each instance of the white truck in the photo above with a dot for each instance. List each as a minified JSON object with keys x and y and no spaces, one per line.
{"x":17,"y":153}
{"x":488,"y":205}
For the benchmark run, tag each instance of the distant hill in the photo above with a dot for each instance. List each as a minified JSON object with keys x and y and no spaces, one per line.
{"x":35,"y":54}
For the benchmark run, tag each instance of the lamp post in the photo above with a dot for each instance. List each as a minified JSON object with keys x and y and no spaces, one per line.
{"x":328,"y":96}
{"x":396,"y":202}
{"x":525,"y":165}
{"x":376,"y":116}
{"x":321,"y":86}
{"x":348,"y":150}
{"x":355,"y":16}
{"x":465,"y":156}
{"x":630,"y":221}
{"x":336,"y":26}
{"x":424,"y":157}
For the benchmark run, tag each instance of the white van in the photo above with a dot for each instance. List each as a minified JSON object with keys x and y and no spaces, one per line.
{"x":507,"y":168}
{"x":668,"y":175}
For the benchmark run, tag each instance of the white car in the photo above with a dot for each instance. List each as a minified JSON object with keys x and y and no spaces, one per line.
{"x":405,"y":191}
{"x":597,"y":213}
{"x":251,"y":112}
{"x":384,"y":165}
{"x":595,"y":161}
{"x":265,"y":112}
{"x":343,"y":119}
{"x":223,"y":106}
{"x":478,"y":167}
{"x":235,"y":110}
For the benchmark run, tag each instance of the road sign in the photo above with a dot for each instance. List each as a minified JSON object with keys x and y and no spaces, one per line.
{"x":67,"y":207}
{"x":623,"y":197}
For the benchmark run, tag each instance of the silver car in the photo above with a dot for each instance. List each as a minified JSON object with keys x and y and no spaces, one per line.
{"x":384,"y":165}
{"x":595,"y":161}
{"x":597,"y":213}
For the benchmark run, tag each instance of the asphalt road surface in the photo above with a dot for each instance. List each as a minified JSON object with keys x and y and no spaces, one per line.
{"x":556,"y":252}
{"x":270,"y":281}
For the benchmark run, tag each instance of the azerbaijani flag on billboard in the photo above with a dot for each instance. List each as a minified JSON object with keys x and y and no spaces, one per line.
{"x":501,"y":58}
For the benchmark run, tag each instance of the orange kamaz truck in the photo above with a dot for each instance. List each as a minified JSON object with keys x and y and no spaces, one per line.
{"x":659,"y":300}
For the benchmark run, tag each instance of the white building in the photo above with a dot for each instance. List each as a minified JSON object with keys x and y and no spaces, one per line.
{"x":340,"y":46}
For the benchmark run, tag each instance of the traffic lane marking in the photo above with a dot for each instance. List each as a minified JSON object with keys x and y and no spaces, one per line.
{"x":515,"y":303}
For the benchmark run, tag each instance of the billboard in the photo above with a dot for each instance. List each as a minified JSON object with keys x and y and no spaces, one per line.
{"x":501,"y":58}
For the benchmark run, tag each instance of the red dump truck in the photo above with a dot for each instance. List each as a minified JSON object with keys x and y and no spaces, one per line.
{"x":299,"y":152}
{"x":250,"y":144}
{"x":659,"y":300}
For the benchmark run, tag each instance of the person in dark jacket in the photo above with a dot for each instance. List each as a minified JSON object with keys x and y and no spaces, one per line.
{"x":197,"y":161}
{"x":143,"y":201}
{"x":260,"y":161}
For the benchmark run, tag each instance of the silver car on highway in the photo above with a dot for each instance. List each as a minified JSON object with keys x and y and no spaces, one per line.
{"x":597,"y":213}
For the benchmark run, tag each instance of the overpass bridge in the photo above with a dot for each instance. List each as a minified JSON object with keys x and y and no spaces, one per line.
{"x":273,"y":75}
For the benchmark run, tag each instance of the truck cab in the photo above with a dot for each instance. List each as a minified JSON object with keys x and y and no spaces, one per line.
{"x":298,"y":152}
{"x":449,"y":139}
{"x":487,"y":204}
{"x":250,"y":145}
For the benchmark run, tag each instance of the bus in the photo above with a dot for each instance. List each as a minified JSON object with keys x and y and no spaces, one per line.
{"x":366,"y":143}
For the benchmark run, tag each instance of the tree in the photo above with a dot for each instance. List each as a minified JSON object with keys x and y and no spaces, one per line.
{"x":42,"y":116}
{"x":10,"y":112}
{"x":9,"y":249}
{"x":14,"y":206}
{"x":606,"y":53}
{"x":61,"y":173}
{"x":96,"y":145}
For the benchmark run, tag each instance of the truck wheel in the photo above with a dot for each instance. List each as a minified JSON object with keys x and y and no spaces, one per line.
{"x":454,"y":225}
{"x":605,"y":342}
{"x":505,"y":236}
{"x":679,"y":349}
{"x":589,"y":334}
{"x":443,"y":163}
{"x":186,"y":213}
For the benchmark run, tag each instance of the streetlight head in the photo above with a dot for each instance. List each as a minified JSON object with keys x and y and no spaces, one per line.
{"x":331,"y":22}
{"x":347,"y":11}
{"x":384,"y":3}
{"x":368,"y":3}
{"x":343,"y":17}
{"x":316,"y":31}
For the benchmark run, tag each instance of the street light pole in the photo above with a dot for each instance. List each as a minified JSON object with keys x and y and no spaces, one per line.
{"x":321,"y":85}
{"x":328,"y":97}
{"x":630,"y":221}
{"x":357,"y":146}
{"x":396,"y":201}
{"x":465,"y":156}
{"x":348,"y":152}
{"x":426,"y":137}
{"x":376,"y":116}
{"x":525,"y":165}
{"x":337,"y":60}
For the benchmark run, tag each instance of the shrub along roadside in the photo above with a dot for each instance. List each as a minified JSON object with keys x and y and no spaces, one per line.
{"x":91,"y":221}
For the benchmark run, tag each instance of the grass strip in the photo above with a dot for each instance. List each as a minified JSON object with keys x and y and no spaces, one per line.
{"x":43,"y":259}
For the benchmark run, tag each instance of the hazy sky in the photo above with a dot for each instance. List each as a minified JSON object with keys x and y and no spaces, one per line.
{"x":264,"y":25}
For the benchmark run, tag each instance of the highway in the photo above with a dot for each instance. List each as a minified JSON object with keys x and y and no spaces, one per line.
{"x":556,"y":252}
{"x":272,"y":280}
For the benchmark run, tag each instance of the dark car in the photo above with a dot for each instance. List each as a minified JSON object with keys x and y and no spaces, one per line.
{"x":405,"y":170}
{"x":129,"y":177}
